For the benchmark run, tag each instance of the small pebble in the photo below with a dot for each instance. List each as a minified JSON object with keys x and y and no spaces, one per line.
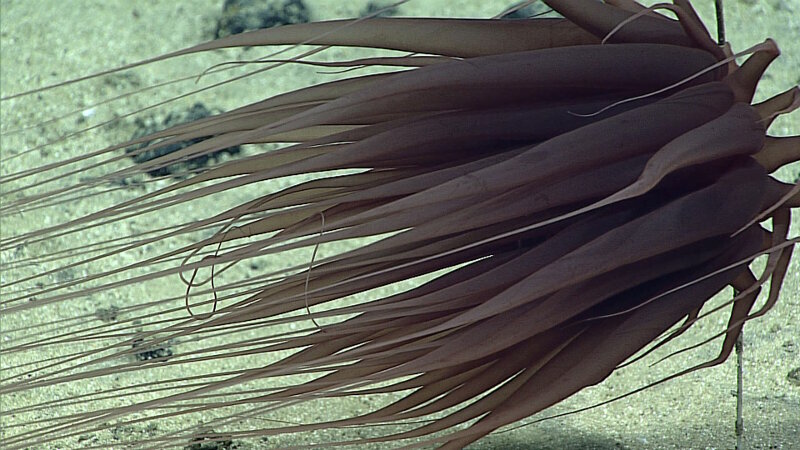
{"x":794,"y":376}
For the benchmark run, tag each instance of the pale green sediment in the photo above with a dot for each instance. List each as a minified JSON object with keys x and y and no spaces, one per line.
{"x":43,"y":42}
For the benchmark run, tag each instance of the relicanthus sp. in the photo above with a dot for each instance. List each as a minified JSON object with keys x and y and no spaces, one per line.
{"x":480,"y":221}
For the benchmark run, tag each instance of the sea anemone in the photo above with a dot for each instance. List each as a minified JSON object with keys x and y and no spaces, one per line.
{"x":487,"y":218}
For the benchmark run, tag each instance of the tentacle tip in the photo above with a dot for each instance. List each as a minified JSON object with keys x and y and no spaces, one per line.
{"x":771,"y":46}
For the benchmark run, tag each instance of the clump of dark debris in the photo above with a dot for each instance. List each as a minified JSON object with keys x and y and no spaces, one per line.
{"x":146,"y":353}
{"x":239,"y":16}
{"x":374,"y":7}
{"x":209,"y":440}
{"x":532,"y":10}
{"x":107,"y":314}
{"x":149,"y":125}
